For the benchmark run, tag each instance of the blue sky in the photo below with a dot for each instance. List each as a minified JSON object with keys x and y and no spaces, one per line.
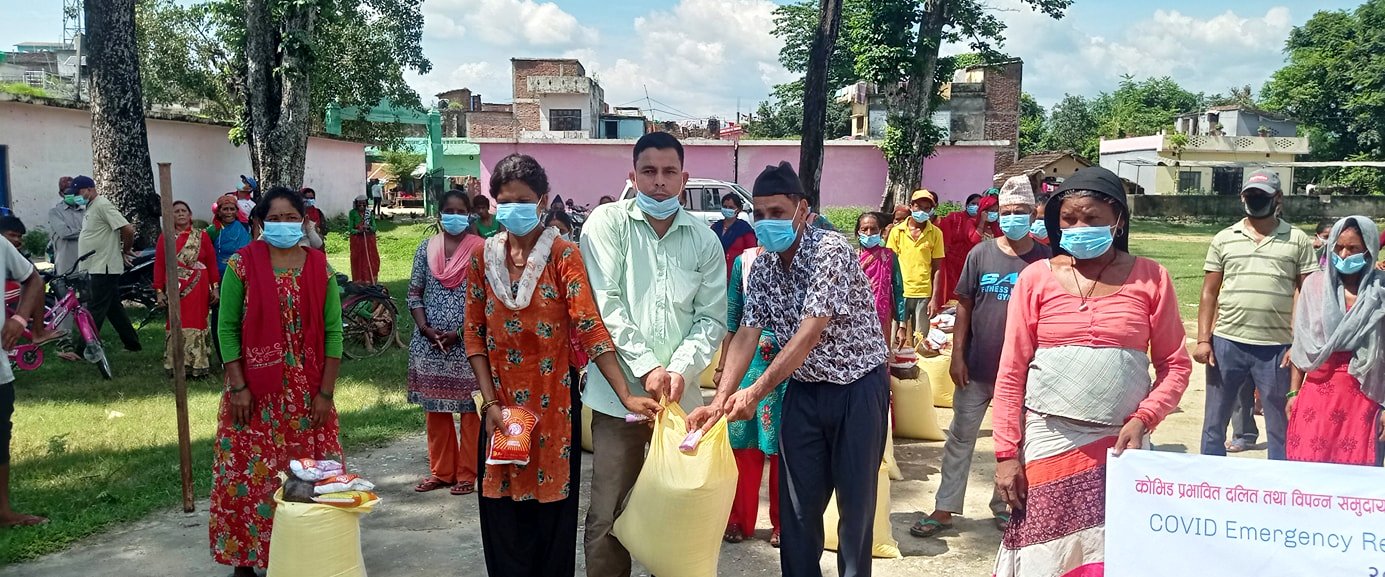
{"x":698,"y":58}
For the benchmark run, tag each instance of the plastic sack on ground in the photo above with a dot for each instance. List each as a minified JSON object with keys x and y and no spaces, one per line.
{"x":705,"y":381}
{"x":883,"y":545}
{"x":891,"y":465}
{"x":914,"y":415}
{"x":317,"y":540}
{"x":676,"y":515}
{"x":587,"y":429}
{"x":939,"y":379}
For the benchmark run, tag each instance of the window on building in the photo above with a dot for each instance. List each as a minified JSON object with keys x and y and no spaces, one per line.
{"x":1189,"y":182}
{"x":1227,"y":180}
{"x":565,"y":119}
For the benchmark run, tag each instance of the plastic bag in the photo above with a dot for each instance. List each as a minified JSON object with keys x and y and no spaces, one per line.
{"x":939,"y":374}
{"x":341,"y":483}
{"x":587,"y":429}
{"x":706,"y":379}
{"x":883,"y":545}
{"x":891,"y":465}
{"x":347,"y":499}
{"x":317,"y":540}
{"x":315,"y":470}
{"x":512,"y":442}
{"x":914,"y":415}
{"x":676,"y":515}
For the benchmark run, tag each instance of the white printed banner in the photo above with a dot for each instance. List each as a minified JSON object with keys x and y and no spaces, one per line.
{"x":1178,"y":515}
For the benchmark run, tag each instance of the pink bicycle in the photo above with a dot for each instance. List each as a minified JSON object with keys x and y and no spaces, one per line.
{"x":29,"y":357}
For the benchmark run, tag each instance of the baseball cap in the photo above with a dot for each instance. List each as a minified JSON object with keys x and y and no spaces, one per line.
{"x":81,"y":182}
{"x":1263,"y":180}
{"x":923,"y":193}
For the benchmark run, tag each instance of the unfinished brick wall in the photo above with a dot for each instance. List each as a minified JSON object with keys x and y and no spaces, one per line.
{"x":526,"y":103}
{"x":491,"y":125}
{"x":1004,"y":85}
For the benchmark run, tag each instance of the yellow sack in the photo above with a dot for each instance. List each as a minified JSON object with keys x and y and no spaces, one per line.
{"x":891,"y":465}
{"x":883,"y":545}
{"x":315,"y":539}
{"x":939,"y":374}
{"x":677,"y":511}
{"x":587,"y":429}
{"x":706,"y":379}
{"x":915,"y":417}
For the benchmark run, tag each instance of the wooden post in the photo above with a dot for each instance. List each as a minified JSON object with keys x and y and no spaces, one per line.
{"x":175,"y":331}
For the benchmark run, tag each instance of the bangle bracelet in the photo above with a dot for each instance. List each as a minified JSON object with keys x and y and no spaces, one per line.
{"x":486,"y":406}
{"x":235,"y":390}
{"x":1204,"y":342}
{"x":1291,"y":394}
{"x":324,"y":394}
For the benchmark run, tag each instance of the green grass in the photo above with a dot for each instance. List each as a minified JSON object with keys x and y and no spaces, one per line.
{"x":90,"y":454}
{"x":1181,"y":248}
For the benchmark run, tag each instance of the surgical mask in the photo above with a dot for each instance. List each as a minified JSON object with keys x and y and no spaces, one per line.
{"x":729,"y":213}
{"x":869,"y":240}
{"x":972,"y":209}
{"x":1087,"y":242}
{"x":992,"y":216}
{"x":921,"y":215}
{"x":1349,"y":265}
{"x":79,"y":200}
{"x":777,"y":235}
{"x":1039,"y":229}
{"x":566,"y":236}
{"x":1015,"y":226}
{"x":660,"y":209}
{"x":282,"y":234}
{"x":1259,"y":205}
{"x":520,"y":218}
{"x":455,"y":223}
{"x":309,"y":202}
{"x":71,"y":199}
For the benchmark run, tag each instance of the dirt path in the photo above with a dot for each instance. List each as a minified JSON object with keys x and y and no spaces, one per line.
{"x":419,"y":534}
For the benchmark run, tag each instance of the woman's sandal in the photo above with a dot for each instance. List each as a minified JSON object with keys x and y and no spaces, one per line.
{"x":733,"y":534}
{"x":463,"y":488}
{"x":774,"y":539}
{"x":431,"y":484}
{"x":928,"y":527}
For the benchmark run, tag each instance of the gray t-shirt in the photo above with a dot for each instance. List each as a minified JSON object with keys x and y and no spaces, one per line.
{"x":987,"y":279}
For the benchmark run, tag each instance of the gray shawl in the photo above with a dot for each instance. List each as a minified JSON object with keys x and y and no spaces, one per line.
{"x":1323,"y":326}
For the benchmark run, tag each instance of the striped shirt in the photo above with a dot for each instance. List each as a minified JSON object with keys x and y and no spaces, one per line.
{"x":1256,"y":303}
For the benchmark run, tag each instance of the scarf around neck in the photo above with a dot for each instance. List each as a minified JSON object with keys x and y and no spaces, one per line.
{"x":262,"y":333}
{"x":1323,"y":325}
{"x":498,"y":274}
{"x":451,"y":273}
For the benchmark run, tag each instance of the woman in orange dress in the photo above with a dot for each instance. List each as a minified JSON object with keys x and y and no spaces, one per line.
{"x":527,"y":292}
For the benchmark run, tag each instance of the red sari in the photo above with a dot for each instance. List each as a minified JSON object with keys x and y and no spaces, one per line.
{"x":197,"y":272}
{"x":1332,"y":420}
{"x":961,"y":233}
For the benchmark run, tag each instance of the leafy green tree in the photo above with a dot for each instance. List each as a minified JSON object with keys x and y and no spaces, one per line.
{"x":1142,"y":108}
{"x":1334,"y":84}
{"x":781,"y":117}
{"x":1033,"y":125}
{"x":1072,"y":126}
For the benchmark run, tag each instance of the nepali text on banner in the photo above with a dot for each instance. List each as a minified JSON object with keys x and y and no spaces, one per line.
{"x":1176,"y":514}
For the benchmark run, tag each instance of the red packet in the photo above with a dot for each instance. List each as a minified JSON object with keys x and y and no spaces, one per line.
{"x":513,"y":441}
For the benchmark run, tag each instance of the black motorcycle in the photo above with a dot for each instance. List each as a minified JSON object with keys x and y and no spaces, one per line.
{"x":137,"y":287}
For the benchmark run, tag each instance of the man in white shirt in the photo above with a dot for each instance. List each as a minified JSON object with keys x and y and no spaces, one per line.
{"x":15,"y":267}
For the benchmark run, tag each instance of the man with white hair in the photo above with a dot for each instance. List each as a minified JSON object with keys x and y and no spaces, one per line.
{"x":983,"y":297}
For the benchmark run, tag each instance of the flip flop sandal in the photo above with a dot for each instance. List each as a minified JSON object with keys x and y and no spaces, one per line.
{"x":1237,"y":446}
{"x":463,"y":488}
{"x":734,"y":534}
{"x":1002,"y":521}
{"x":774,"y":539}
{"x":431,"y":484}
{"x":928,"y":527}
{"x":53,"y":336}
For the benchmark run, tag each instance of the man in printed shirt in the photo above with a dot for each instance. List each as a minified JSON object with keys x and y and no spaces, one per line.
{"x":809,"y":289}
{"x":659,"y":278}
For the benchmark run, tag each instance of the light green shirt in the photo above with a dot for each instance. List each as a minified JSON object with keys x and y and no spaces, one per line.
{"x":1259,"y":280}
{"x":101,"y":234}
{"x":662,"y":299}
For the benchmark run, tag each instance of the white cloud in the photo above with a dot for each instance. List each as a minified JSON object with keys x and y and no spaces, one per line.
{"x":508,"y":23}
{"x":1203,"y":55}
{"x":481,"y":77}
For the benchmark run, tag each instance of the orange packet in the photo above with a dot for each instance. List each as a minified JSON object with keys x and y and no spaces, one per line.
{"x":512,"y":442}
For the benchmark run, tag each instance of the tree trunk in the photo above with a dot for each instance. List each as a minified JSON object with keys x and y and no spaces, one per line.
{"x":911,"y":113}
{"x":815,"y":94}
{"x":278,"y":90}
{"x":119,"y":140}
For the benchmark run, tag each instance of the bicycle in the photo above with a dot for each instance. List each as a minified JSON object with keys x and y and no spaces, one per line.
{"x":369,"y":318}
{"x":29,"y":357}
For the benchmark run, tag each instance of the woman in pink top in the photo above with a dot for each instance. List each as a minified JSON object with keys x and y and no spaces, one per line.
{"x":1084,"y":327}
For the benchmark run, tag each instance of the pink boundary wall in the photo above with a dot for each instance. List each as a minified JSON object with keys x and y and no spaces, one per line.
{"x":853,"y":172}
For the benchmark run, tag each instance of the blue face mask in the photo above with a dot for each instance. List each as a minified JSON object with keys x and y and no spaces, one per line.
{"x":455,"y":224}
{"x":282,"y":234}
{"x":972,"y":209}
{"x":921,"y":215}
{"x":729,"y":213}
{"x":992,"y":216}
{"x":79,"y":200}
{"x":869,"y":240}
{"x":776,"y":235}
{"x":1015,"y":226}
{"x":71,"y":199}
{"x":660,"y":209}
{"x":1039,"y":229}
{"x":1087,"y":242}
{"x":1349,"y":265}
{"x":520,"y":218}
{"x":309,"y":202}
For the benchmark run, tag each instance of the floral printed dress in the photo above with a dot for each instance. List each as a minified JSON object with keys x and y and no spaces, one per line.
{"x":762,"y":432}
{"x":248,"y":458}
{"x":528,"y":351}
{"x":440,"y":382}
